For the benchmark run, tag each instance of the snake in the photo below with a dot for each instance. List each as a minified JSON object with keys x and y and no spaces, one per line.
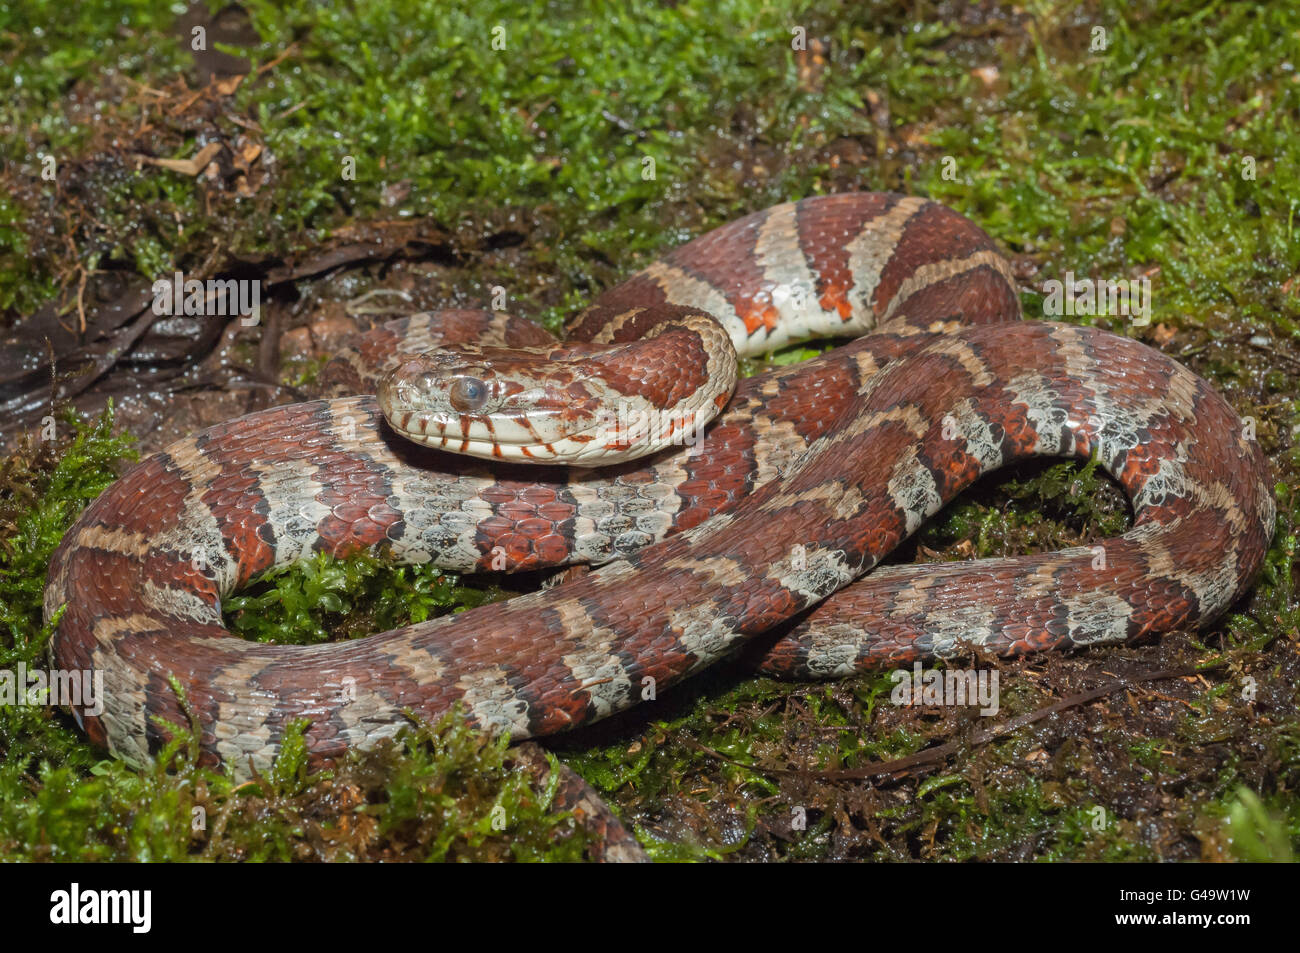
{"x":718,"y":518}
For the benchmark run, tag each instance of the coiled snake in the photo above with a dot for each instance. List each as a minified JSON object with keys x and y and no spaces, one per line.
{"x":760,"y":531}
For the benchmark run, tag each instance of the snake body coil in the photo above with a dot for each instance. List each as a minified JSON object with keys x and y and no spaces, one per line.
{"x":761,"y":532}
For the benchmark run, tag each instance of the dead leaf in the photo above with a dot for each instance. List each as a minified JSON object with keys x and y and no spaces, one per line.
{"x":228,"y":84}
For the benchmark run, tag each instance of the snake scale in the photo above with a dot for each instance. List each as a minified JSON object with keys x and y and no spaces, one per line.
{"x":761,"y":533}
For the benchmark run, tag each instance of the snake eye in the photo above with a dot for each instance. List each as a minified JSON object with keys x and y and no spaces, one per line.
{"x":468,"y":394}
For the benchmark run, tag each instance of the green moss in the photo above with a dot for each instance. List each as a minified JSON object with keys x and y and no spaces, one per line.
{"x":302,"y":372}
{"x":1111,"y":162}
{"x":41,"y":492}
{"x":1097,"y":161}
{"x":1259,"y":834}
{"x":43,"y":486}
{"x":442,"y":792}
{"x":326,"y":599}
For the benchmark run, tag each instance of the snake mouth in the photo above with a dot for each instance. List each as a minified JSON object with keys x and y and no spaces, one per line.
{"x":486,"y":437}
{"x":509,"y":439}
{"x":542,"y":435}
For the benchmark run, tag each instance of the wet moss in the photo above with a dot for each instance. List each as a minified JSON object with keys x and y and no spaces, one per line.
{"x":328,"y":599}
{"x":1168,"y":152}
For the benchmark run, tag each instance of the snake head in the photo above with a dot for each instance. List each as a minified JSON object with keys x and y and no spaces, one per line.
{"x":567,"y":404}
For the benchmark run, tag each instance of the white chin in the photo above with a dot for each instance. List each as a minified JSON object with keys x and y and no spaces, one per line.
{"x":486,"y":450}
{"x":563,"y":452}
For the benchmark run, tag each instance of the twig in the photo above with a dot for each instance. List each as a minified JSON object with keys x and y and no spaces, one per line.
{"x":272,"y":64}
{"x":941,"y":752}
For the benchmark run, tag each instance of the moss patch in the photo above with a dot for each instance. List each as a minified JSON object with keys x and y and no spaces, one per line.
{"x":1163,"y":147}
